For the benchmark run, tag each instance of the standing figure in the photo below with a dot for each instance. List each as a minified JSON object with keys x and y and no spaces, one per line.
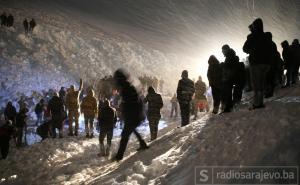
{"x":56,"y":107}
{"x":6,"y":131}
{"x":287,"y":56}
{"x":214,"y":75}
{"x":62,"y":94}
{"x":256,"y":46}
{"x":107,"y":120}
{"x":26,"y":26}
{"x":10,"y":113}
{"x":90,"y":110}
{"x":155,"y":103}
{"x":185,"y":92}
{"x":72,"y":104}
{"x":200,"y":98}
{"x":10,"y":21}
{"x":174,"y":106}
{"x":132,"y":111}
{"x":32,"y":25}
{"x":3,"y":18}
{"x":21,"y":126}
{"x":296,"y":59}
{"x":39,"y":110}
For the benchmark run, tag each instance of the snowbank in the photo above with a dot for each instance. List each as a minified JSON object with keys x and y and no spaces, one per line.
{"x":262,"y":137}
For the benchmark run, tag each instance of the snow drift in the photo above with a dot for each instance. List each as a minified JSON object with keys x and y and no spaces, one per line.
{"x":265,"y":137}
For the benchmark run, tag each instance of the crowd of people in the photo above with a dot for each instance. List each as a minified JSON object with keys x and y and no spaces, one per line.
{"x":29,"y":25}
{"x":8,"y":21}
{"x":119,"y":99}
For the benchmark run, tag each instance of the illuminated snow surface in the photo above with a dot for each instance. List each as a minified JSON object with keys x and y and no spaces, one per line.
{"x":76,"y":38}
{"x":266,"y":136}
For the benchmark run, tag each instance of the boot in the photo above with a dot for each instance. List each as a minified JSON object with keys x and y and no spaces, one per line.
{"x":107,"y":152}
{"x":76,"y":133}
{"x":102,"y":151}
{"x":143,"y":147}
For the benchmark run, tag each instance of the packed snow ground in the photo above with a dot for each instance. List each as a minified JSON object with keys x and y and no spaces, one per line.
{"x":262,"y":137}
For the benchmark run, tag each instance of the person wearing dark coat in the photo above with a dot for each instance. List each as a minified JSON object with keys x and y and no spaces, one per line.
{"x":56,"y":108}
{"x":6,"y":132}
{"x":295,"y":47}
{"x":256,"y":46}
{"x":214,"y":75}
{"x":10,"y":113}
{"x":44,"y":129}
{"x":62,"y":94}
{"x":132,"y":112}
{"x":107,"y":120}
{"x":21,"y":125}
{"x":271,"y":75}
{"x":10,"y":21}
{"x":32,"y":25}
{"x":287,"y":56}
{"x":185,"y":92}
{"x":39,"y":109}
{"x":3,"y":18}
{"x":233,"y":79}
{"x":26,"y":26}
{"x":155,"y":103}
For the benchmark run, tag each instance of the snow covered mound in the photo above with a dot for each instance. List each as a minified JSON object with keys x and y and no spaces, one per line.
{"x":265,"y":137}
{"x":62,"y":49}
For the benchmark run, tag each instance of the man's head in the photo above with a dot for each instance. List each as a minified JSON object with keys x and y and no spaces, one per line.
{"x":225,"y":49}
{"x":184,"y":74}
{"x":72,"y":88}
{"x":200,"y":78}
{"x":151,"y":90}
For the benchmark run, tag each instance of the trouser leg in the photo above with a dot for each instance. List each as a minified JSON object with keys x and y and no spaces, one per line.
{"x":86,"y":122}
{"x":185,"y":113}
{"x":71,"y":116}
{"x":140,"y":139}
{"x":153,"y":128}
{"x":123,"y":142}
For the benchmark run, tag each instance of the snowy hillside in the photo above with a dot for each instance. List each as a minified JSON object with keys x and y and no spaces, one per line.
{"x":265,"y":137}
{"x":58,"y":54}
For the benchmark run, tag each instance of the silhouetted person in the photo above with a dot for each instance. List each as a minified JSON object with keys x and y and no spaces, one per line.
{"x":3,"y":18}
{"x":271,"y":74}
{"x":155,"y":103}
{"x":39,"y":109}
{"x":21,"y":125}
{"x":56,"y":108}
{"x":62,"y":94}
{"x":44,"y":129}
{"x":10,"y":113}
{"x":174,"y":106}
{"x":232,"y":79}
{"x":10,"y":21}
{"x":185,"y":92}
{"x":107,"y":121}
{"x":6,"y":132}
{"x":32,"y":25}
{"x":287,"y":56}
{"x":214,"y":75}
{"x":296,"y":58}
{"x":256,"y":46}
{"x":26,"y":26}
{"x":132,"y":112}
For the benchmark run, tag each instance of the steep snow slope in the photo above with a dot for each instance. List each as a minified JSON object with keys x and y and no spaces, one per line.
{"x":264,"y":137}
{"x":62,"y":50}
